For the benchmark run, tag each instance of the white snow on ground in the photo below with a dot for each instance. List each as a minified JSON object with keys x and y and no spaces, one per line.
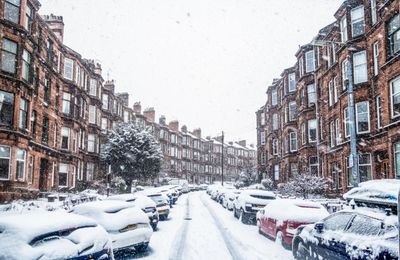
{"x":212,"y":233}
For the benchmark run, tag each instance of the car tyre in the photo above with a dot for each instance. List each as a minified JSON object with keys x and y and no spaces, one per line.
{"x":279,"y":238}
{"x":302,"y":252}
{"x":243,"y":217}
{"x":259,"y":227}
{"x":234,"y":212}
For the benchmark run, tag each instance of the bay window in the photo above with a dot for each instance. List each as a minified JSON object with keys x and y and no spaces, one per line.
{"x":311,"y":94}
{"x":362,"y":117}
{"x":274,"y":97}
{"x":68,"y":69}
{"x":293,"y":141}
{"x":91,"y":143}
{"x":394,"y":34}
{"x":313,"y":165}
{"x":292,"y":110}
{"x":105,"y":101}
{"x":396,"y":148}
{"x":379,"y":112}
{"x":343,"y":29}
{"x":66,"y":103}
{"x":12,"y":10}
{"x":360,"y":67}
{"x":23,"y":113}
{"x":312,"y":130}
{"x":364,"y":166}
{"x":9,"y":56}
{"x":63,"y":175}
{"x":26,"y":65}
{"x":291,"y":82}
{"x":93,"y":87}
{"x":357,"y":21}
{"x":65,"y":136}
{"x":20,"y":158}
{"x":395,"y":97}
{"x":5,"y":156}
{"x":275,"y":121}
{"x":92,"y":114}
{"x":309,"y":61}
{"x":6,"y":108}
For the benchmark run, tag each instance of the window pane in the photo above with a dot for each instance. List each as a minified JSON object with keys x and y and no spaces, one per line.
{"x":11,"y":12}
{"x":6,"y":108}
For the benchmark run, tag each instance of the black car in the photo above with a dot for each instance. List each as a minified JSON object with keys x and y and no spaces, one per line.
{"x":349,"y":234}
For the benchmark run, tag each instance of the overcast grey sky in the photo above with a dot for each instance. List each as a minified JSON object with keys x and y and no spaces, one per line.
{"x":206,"y":63}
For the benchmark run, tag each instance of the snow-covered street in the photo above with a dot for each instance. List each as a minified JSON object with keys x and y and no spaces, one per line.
{"x":199,"y":228}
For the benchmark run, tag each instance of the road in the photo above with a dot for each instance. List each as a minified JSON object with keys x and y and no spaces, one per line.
{"x":200,"y":228}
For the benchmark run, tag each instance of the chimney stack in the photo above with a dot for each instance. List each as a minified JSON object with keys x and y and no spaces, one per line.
{"x":150,"y":114}
{"x":184,"y":129}
{"x":137,"y":108}
{"x":125,"y":98}
{"x":110,"y":85}
{"x":174,"y":125}
{"x":242,"y":143}
{"x":162,"y":120}
{"x":56,"y":24}
{"x":197,"y":132}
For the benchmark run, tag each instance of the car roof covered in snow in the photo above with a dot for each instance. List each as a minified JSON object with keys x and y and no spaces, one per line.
{"x":384,"y":191}
{"x":29,"y":225}
{"x":137,"y":199}
{"x":258,"y":192}
{"x":295,"y":210}
{"x":103,"y":206}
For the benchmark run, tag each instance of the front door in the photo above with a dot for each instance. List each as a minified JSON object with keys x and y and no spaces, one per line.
{"x":43,"y":174}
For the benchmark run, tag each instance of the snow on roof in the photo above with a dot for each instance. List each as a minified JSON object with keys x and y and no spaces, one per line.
{"x":259,"y":192}
{"x":295,"y":210}
{"x":379,"y":191}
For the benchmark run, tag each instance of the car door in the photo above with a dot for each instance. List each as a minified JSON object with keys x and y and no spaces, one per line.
{"x":329,"y":239}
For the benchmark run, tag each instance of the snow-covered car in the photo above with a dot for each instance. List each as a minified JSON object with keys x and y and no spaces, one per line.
{"x":376,"y":193}
{"x":162,"y":203}
{"x":52,"y":235}
{"x":349,"y":234}
{"x":145,"y":203}
{"x":249,"y":202}
{"x":221,"y":193}
{"x":203,"y":186}
{"x":280,"y":218}
{"x":127,"y":225}
{"x":229,"y":197}
{"x":215,"y":192}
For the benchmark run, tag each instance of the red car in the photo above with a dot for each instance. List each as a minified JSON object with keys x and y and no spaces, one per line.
{"x":280,"y":218}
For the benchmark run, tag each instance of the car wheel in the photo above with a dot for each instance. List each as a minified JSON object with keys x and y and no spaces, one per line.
{"x":154,"y":226}
{"x":234,"y":212}
{"x":243,"y":216}
{"x":142,"y":248}
{"x":259,"y":226}
{"x":279,"y":238}
{"x":302,"y":252}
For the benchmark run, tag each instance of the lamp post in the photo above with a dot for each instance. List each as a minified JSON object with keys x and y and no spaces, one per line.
{"x":353,"y":159}
{"x":222,"y":160}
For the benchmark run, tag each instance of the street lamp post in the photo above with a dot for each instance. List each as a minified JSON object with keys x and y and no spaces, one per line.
{"x":222,"y":160}
{"x":353,"y":160}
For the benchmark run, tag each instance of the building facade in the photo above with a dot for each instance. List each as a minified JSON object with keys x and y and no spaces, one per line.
{"x":56,"y":108}
{"x":304,"y":124}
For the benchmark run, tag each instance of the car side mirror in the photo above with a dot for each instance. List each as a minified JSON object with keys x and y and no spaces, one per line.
{"x":319,"y":227}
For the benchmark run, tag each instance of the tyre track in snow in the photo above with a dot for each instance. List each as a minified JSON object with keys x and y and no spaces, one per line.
{"x":231,"y":243}
{"x":180,"y":237}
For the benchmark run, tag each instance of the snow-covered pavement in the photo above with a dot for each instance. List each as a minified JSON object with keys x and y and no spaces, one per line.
{"x":199,"y":228}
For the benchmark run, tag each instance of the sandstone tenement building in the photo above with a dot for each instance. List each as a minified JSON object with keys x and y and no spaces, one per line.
{"x":304,"y":123}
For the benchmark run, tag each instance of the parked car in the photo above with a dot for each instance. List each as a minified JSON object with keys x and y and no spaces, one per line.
{"x":349,"y":234}
{"x":145,"y":203}
{"x":381,"y":193}
{"x":249,"y":202}
{"x":221,"y":193}
{"x":215,"y":192}
{"x":229,"y":198}
{"x":52,"y":235}
{"x":280,"y":218}
{"x":127,"y":226}
{"x":162,"y":203}
{"x":203,"y":186}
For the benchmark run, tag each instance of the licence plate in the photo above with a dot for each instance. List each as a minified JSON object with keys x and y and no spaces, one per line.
{"x":162,"y":212}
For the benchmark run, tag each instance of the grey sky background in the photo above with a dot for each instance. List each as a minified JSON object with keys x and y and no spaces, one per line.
{"x":206,"y":63}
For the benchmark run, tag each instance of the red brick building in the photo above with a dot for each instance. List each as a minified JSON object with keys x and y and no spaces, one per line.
{"x":317,"y":139}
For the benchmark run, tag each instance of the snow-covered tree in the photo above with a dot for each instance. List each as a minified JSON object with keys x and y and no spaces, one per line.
{"x":133,"y":153}
{"x":248,"y":173}
{"x":304,"y":185}
{"x":268,"y":183}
